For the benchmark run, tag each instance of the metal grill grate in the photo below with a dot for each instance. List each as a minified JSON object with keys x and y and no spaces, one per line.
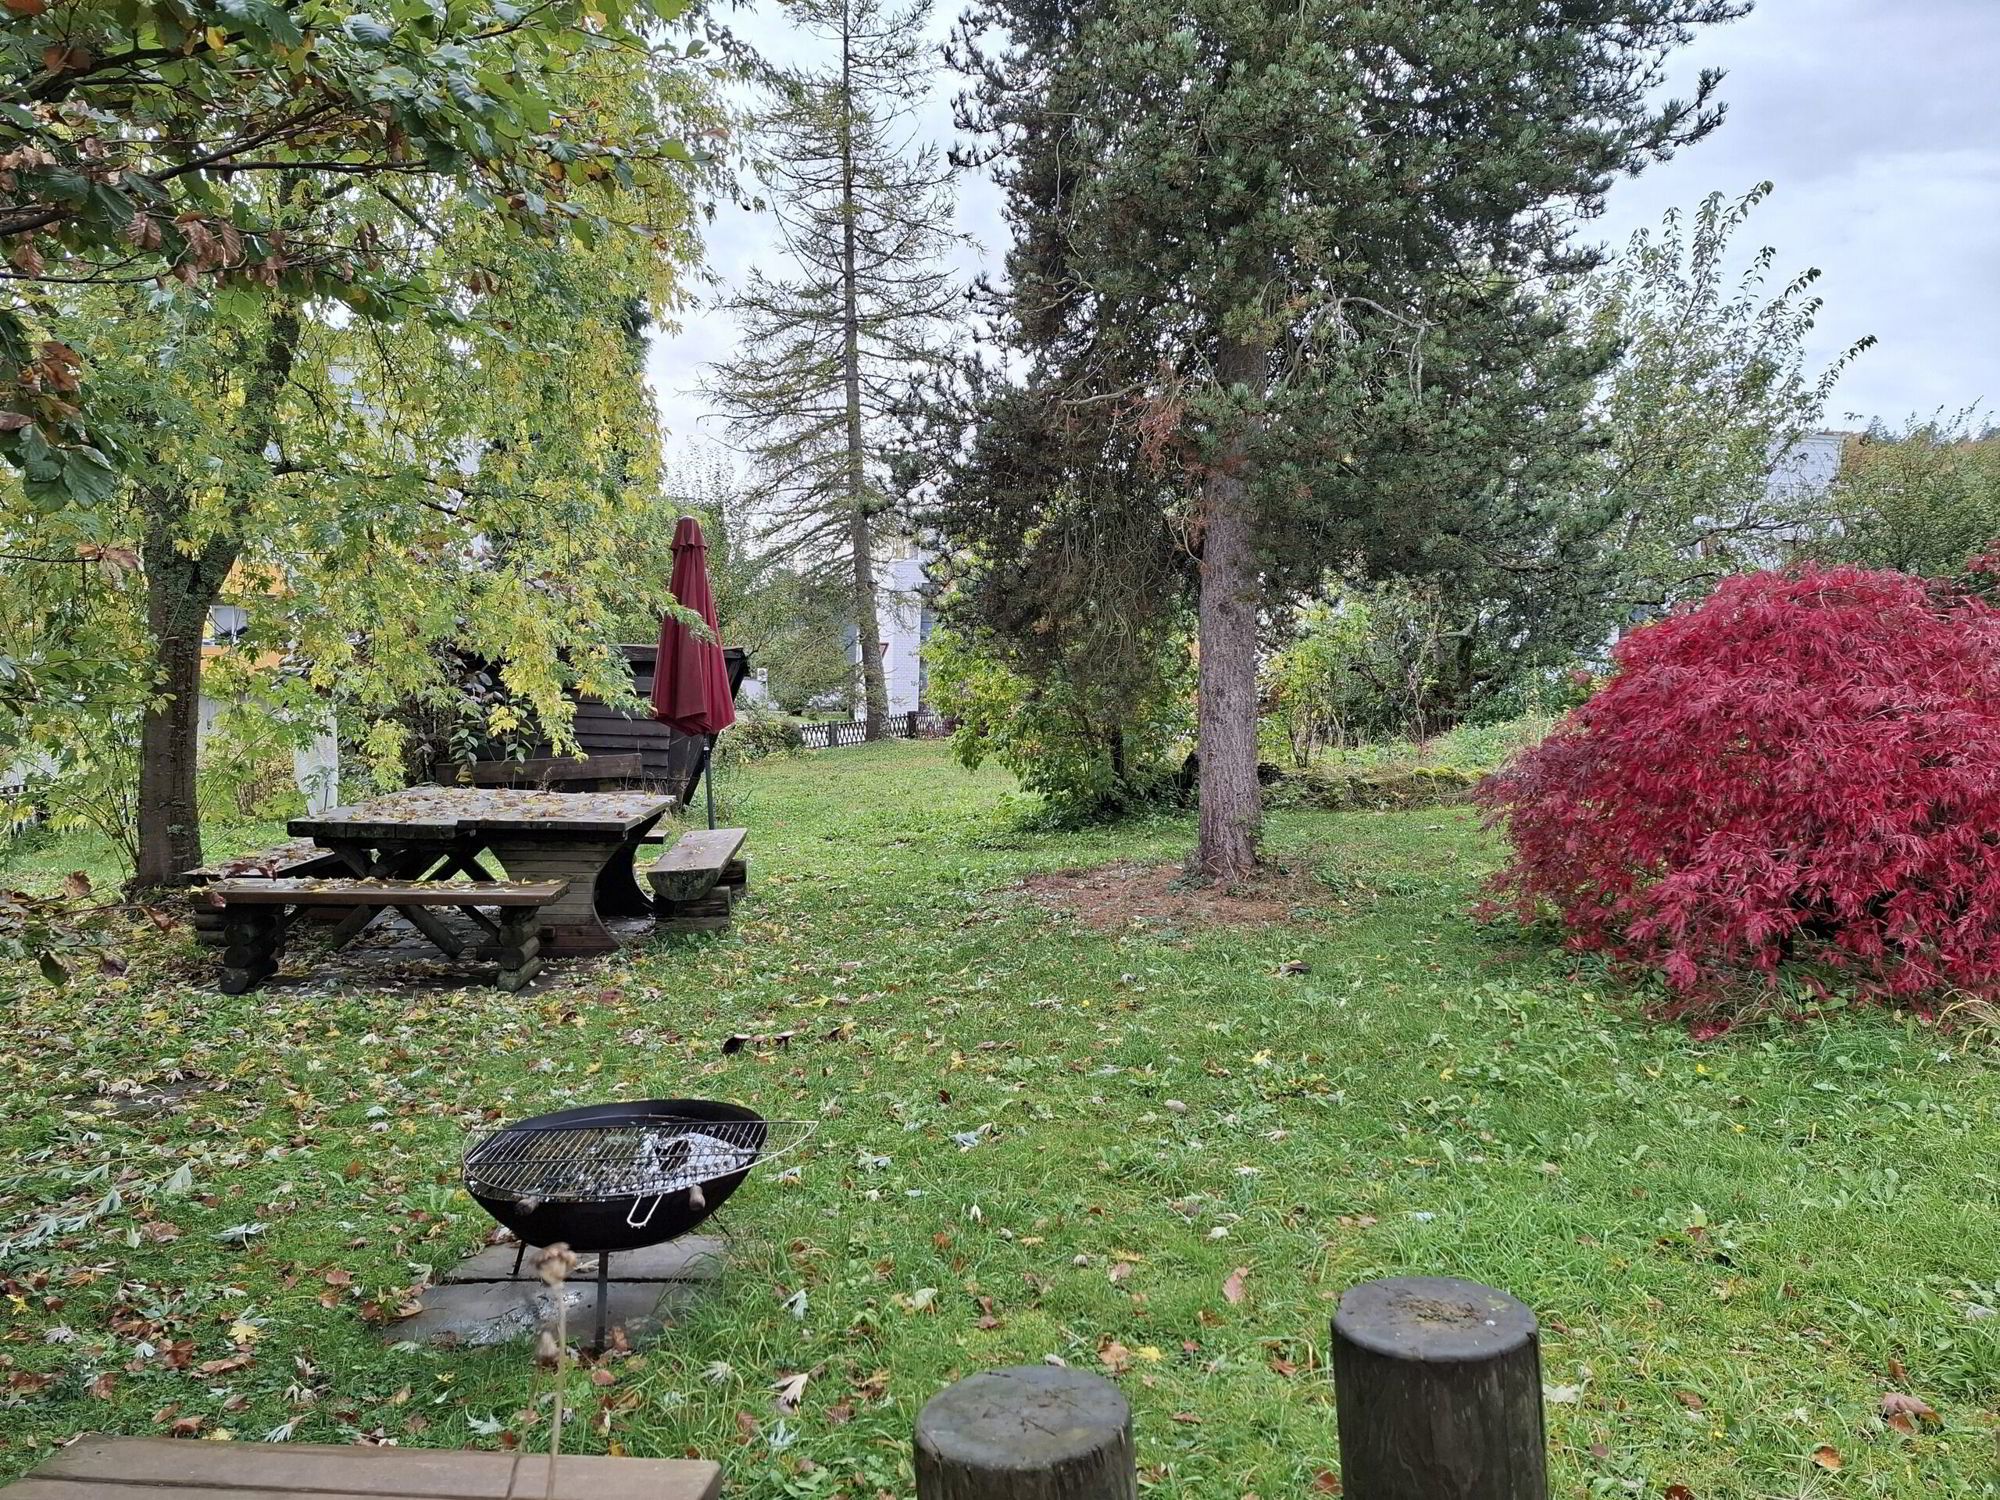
{"x":641,"y":1157}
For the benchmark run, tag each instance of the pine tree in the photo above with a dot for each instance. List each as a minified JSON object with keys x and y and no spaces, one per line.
{"x":830,"y":345}
{"x":1296,"y":255}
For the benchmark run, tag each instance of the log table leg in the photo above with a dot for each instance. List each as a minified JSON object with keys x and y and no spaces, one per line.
{"x":253,"y":938}
{"x":618,"y":891}
{"x":1031,"y":1432}
{"x":571,"y":925}
{"x":1438,"y":1389}
{"x":520,"y":948}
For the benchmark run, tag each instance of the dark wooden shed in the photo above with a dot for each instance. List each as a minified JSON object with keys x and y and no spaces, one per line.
{"x":623,"y":749}
{"x":666,"y":757}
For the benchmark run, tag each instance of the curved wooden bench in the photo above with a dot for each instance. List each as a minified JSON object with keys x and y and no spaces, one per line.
{"x":256,"y":914}
{"x":698,"y":881}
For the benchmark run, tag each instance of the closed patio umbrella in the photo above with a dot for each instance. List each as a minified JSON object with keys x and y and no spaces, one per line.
{"x":690,"y":679}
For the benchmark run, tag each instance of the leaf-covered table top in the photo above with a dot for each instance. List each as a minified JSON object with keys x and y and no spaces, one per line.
{"x":426,"y":813}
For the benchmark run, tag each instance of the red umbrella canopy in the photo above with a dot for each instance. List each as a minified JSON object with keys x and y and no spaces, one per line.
{"x":690,"y":678}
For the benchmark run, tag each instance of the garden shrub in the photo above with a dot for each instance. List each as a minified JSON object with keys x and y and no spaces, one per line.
{"x":1091,"y":747}
{"x":759,"y":733}
{"x":1804,"y":768}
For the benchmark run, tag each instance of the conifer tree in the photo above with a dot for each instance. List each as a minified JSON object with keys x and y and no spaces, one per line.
{"x":831,"y":342}
{"x":1279,"y":274}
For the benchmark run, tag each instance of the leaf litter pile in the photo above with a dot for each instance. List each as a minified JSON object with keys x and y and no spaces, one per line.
{"x":1122,"y":895}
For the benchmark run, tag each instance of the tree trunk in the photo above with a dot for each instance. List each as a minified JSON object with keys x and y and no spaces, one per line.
{"x":180,"y":589}
{"x":867,"y":616}
{"x":1226,"y":698}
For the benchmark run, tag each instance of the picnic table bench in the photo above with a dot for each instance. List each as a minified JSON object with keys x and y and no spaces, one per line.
{"x":294,"y":858}
{"x":256,"y":914}
{"x":165,"y":1469}
{"x":699,"y":880}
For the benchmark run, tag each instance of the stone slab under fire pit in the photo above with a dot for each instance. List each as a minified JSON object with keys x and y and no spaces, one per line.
{"x":477,"y":1304}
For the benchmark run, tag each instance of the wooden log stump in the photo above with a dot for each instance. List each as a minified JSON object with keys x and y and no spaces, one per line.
{"x":1030,"y":1432}
{"x":1438,"y":1388}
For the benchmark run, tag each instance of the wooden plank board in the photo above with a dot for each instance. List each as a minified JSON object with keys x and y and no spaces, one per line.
{"x":687,"y":871}
{"x":96,"y":1468}
{"x":547,"y":771}
{"x":307,"y":892}
{"x":294,"y":857}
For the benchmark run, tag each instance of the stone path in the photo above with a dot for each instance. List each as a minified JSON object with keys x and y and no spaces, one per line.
{"x":478,"y":1303}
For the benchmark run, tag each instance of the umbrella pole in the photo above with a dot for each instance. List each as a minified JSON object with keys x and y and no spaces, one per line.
{"x":708,"y":776}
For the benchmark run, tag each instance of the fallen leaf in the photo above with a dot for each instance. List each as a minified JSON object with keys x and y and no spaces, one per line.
{"x":791,"y":1390}
{"x":1826,"y":1456}
{"x":1232,"y":1286}
{"x":1325,"y":1482}
{"x":1904,"y":1413}
{"x":1114,"y":1356}
{"x":1677,"y":1492}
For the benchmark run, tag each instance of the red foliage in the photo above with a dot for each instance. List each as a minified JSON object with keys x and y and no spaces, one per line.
{"x":1805,"y":767}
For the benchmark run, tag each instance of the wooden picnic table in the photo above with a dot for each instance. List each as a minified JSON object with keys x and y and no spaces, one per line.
{"x":434,"y":833}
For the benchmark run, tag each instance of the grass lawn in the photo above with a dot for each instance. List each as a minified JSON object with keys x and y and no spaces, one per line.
{"x":1036,"y":1140}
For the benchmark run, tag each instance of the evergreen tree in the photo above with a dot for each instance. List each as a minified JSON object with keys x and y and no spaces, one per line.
{"x":1283,"y":266}
{"x":830,"y":346}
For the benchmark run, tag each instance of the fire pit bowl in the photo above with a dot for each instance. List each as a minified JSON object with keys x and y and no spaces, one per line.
{"x":609,"y":1177}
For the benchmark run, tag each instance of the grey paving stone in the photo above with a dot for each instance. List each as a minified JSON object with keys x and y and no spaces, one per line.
{"x":479,"y":1313}
{"x":696,"y":1257}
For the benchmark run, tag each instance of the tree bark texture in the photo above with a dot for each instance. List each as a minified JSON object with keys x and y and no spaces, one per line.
{"x":1438,"y":1390}
{"x":1031,"y":1432}
{"x":1226,"y":695}
{"x":183,"y":581}
{"x":867,"y":613}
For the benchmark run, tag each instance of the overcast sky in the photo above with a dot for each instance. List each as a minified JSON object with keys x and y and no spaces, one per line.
{"x":1874,"y":118}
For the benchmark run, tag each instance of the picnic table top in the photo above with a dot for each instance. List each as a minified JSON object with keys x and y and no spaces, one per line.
{"x":424,"y":813}
{"x":163,"y":1469}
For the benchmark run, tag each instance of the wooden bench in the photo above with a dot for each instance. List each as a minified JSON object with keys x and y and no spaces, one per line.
{"x":256,"y":914}
{"x":597,"y":773}
{"x":295,"y":859}
{"x":164,"y":1469}
{"x":697,"y":882}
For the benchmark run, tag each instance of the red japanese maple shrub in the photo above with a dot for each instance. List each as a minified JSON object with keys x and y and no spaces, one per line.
{"x":1805,"y":767}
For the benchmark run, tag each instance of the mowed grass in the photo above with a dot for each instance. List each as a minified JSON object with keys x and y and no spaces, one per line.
{"x":1035,"y":1141}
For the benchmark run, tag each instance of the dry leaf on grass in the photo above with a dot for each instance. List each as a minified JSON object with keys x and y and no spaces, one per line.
{"x":1232,"y":1286}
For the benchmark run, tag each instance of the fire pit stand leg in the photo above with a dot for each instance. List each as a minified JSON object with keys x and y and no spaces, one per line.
{"x":603,"y":1296}
{"x":520,"y":1251}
